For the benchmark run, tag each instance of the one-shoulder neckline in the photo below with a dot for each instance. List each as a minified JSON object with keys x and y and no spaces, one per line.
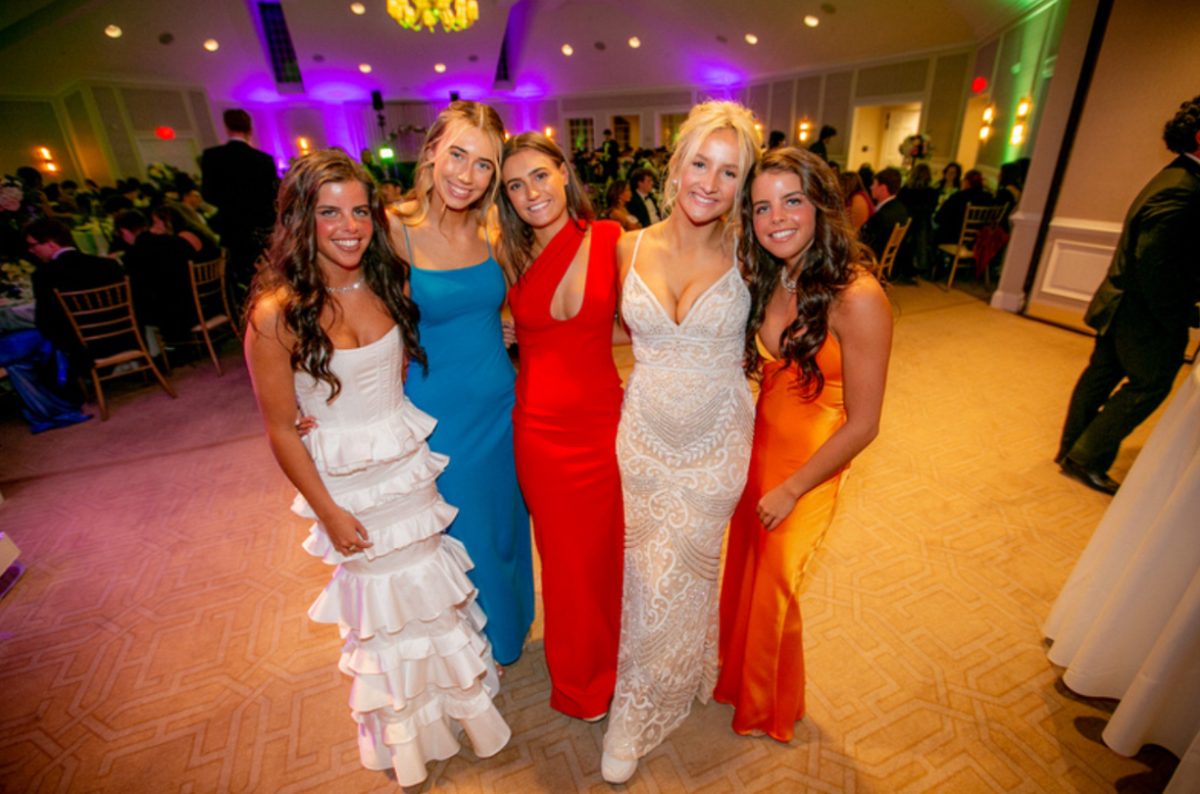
{"x":390,"y":331}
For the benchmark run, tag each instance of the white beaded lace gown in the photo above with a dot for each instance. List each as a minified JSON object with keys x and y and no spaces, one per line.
{"x":684,"y":449}
{"x":422,"y":670}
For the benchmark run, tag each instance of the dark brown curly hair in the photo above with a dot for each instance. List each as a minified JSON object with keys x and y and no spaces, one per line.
{"x":825,"y":268}
{"x":1179,"y":134}
{"x":291,"y":265}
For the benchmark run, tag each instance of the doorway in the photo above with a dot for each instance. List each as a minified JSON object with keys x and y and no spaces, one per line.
{"x":877,"y":132}
{"x":627,"y":131}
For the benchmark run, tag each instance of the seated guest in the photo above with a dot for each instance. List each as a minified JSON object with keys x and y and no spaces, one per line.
{"x":949,"y":218}
{"x":888,"y":212}
{"x":64,"y":268}
{"x":858,"y":204}
{"x":167,"y":219}
{"x":157,"y":264}
{"x":950,"y":182}
{"x":920,"y":198}
{"x":642,"y":204}
{"x":1008,"y":191}
{"x":618,"y":196}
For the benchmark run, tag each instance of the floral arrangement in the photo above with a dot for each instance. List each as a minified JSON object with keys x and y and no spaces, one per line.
{"x":16,"y":280}
{"x":162,"y":175}
{"x":916,"y":147}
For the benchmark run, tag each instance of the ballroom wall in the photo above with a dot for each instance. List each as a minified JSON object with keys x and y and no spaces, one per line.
{"x":1147,"y":65}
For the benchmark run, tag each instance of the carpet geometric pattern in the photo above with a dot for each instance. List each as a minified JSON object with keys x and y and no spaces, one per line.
{"x":158,"y":641}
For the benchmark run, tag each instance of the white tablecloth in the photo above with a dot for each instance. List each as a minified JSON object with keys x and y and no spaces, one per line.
{"x":1127,"y":622}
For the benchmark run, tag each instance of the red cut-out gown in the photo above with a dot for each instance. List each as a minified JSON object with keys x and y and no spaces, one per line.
{"x":564,"y":431}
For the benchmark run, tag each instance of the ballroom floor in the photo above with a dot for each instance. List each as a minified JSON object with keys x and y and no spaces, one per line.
{"x":158,"y":641}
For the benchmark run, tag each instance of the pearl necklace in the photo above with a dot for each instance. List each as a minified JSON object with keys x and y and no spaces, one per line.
{"x":345,"y":289}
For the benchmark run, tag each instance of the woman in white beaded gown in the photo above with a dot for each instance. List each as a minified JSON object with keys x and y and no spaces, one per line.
{"x":686,"y":425}
{"x":331,"y":329}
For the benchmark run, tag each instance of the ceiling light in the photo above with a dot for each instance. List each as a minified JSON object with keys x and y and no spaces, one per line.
{"x":358,"y":8}
{"x":635,"y":42}
{"x":811,"y":21}
{"x":113,"y":32}
{"x":212,"y":45}
{"x":439,"y":67}
{"x":365,"y":68}
{"x":751,"y":38}
{"x":568,"y":50}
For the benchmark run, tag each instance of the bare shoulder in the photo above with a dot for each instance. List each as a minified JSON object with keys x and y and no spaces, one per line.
{"x":863,"y":301}
{"x":267,"y":320}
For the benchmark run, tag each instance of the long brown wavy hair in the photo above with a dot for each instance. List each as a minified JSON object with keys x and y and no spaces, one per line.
{"x":460,"y":111}
{"x":824,"y":270}
{"x":291,"y":265}
{"x":516,"y":236}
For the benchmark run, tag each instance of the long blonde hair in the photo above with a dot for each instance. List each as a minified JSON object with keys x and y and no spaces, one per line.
{"x":703,"y":120}
{"x":458,"y":113}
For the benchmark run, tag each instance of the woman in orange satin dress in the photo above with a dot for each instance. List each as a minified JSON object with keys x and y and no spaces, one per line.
{"x":821,"y":332}
{"x":568,"y":405}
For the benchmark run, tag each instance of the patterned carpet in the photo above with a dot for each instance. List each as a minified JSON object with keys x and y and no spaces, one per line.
{"x":158,"y":641}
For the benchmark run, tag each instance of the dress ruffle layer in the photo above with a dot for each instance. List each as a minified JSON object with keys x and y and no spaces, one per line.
{"x":344,"y":449}
{"x":423,"y":673}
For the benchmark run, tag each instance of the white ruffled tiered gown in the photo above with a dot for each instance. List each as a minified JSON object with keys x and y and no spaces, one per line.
{"x":423,"y":672}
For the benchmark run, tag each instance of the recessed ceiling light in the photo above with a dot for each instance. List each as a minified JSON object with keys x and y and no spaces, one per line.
{"x":439,"y":67}
{"x":365,"y":68}
{"x":568,"y":50}
{"x":751,"y":38}
{"x":212,"y":45}
{"x":358,"y":8}
{"x":811,"y":21}
{"x":635,"y":42}
{"x":113,"y":32}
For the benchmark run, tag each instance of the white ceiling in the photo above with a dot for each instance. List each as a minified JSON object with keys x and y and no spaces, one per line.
{"x":46,"y":45}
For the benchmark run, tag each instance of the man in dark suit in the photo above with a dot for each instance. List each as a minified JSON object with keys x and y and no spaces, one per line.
{"x":1141,"y":312}
{"x":876,"y":232}
{"x":240,"y":181}
{"x":642,"y":205}
{"x":63,"y":268}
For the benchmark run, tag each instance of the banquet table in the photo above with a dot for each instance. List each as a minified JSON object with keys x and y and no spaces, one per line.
{"x":1127,"y":622}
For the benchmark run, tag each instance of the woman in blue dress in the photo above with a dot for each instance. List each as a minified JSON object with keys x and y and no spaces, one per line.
{"x":459,"y":287}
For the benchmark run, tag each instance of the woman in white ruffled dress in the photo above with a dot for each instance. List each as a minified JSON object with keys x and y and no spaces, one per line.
{"x":331,"y":329}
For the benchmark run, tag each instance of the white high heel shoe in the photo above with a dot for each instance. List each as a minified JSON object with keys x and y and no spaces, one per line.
{"x":616,"y":770}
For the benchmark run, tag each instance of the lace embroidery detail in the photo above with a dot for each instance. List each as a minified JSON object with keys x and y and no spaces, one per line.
{"x":684,"y":448}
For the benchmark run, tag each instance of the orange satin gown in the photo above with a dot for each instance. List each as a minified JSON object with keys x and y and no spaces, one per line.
{"x":762,"y":650}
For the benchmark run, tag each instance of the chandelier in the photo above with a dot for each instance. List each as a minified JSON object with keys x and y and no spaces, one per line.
{"x":454,"y":15}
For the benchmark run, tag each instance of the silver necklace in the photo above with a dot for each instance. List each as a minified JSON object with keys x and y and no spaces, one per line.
{"x":347,"y":288}
{"x":790,"y":286}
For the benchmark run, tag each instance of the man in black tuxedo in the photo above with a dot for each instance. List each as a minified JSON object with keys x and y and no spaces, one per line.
{"x":876,"y":232}
{"x":1141,"y":312}
{"x":642,"y":206}
{"x":610,"y":155}
{"x":240,"y":181}
{"x":65,"y":268}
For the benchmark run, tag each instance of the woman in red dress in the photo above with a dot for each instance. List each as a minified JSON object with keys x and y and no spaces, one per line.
{"x":568,"y":405}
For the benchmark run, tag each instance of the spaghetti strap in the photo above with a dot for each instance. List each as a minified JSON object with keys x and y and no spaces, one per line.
{"x":636,"y":245}
{"x":408,"y":245}
{"x":488,"y":239}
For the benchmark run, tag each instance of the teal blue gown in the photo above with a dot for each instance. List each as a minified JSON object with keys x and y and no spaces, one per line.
{"x":469,"y":390}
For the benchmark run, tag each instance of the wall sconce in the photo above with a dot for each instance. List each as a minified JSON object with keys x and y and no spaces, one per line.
{"x":302,"y":142}
{"x":1018,"y":135}
{"x":758,"y":128}
{"x":989,"y":116}
{"x":549,"y":132}
{"x":46,"y":158}
{"x":1023,"y":108}
{"x":386,"y":153}
{"x":805,"y":130}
